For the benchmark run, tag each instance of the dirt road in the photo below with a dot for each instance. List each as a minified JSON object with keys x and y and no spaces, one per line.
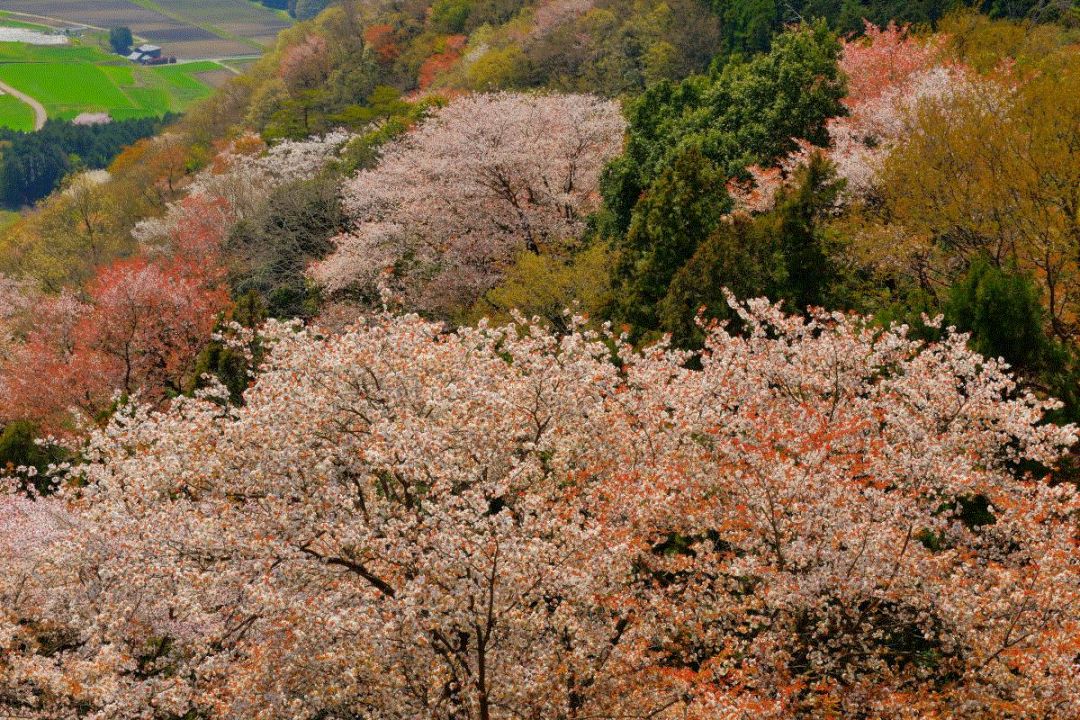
{"x":39,"y":110}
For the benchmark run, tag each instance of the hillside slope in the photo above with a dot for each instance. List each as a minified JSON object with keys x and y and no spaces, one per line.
{"x":575,"y":359}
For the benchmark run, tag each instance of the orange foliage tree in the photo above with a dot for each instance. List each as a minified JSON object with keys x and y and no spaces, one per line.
{"x":383,"y":40}
{"x":138,"y":328}
{"x":440,"y":62}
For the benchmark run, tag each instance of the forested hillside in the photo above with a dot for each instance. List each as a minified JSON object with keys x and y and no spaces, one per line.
{"x":569,"y":359}
{"x":33,"y":164}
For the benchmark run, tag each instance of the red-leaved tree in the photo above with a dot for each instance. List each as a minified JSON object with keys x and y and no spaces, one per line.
{"x":138,"y":328}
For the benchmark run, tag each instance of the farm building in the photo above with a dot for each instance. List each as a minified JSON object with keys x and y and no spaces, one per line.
{"x":145,"y":54}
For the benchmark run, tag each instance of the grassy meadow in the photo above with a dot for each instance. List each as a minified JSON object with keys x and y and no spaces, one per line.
{"x":9,"y":20}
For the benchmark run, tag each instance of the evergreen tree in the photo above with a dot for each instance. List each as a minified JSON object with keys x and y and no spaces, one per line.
{"x":809,"y":276}
{"x":670,"y":222}
{"x":1003,"y":311}
{"x":740,"y":113}
{"x":120,"y":39}
{"x":34,"y":164}
{"x":781,"y":254}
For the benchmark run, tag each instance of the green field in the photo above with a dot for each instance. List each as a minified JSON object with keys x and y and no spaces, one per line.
{"x":15,"y":114}
{"x":187,"y":29}
{"x":73,"y":79}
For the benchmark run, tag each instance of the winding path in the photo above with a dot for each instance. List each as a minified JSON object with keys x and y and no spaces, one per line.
{"x":39,"y":110}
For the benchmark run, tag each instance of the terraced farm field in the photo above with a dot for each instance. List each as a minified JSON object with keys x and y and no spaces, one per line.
{"x":71,"y":79}
{"x":188,"y":29}
{"x":238,"y":18}
{"x":8,"y":20}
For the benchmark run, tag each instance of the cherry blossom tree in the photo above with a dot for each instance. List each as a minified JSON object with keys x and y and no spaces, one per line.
{"x":884,"y":58}
{"x":37,"y":378}
{"x":17,"y":299}
{"x":305,"y":65}
{"x":150,"y":319}
{"x":139,"y":323}
{"x":861,"y":141}
{"x":29,"y":529}
{"x":826,"y":519}
{"x":241,"y":177}
{"x":551,"y":14}
{"x":487,"y":177}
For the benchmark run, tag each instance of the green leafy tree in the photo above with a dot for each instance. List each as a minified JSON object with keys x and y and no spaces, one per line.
{"x":450,"y":16}
{"x":120,"y":39}
{"x":739,"y":256}
{"x":672,"y":219}
{"x":270,"y":251}
{"x":20,"y":446}
{"x":619,"y":47}
{"x":1003,"y":311}
{"x":227,"y":361}
{"x":34,"y":164}
{"x":307,"y":9}
{"x":797,"y":223}
{"x":750,"y":24}
{"x":499,"y":68}
{"x":783,"y":254}
{"x":546,"y":286}
{"x":738,"y":114}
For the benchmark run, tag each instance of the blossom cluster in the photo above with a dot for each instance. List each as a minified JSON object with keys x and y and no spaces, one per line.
{"x":403,"y":521}
{"x":241,"y":177}
{"x":450,"y":206}
{"x":892,"y":76}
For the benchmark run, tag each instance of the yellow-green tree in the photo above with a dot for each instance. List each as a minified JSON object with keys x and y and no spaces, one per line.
{"x":548,"y":285}
{"x":69,"y":235}
{"x":992,"y":172}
